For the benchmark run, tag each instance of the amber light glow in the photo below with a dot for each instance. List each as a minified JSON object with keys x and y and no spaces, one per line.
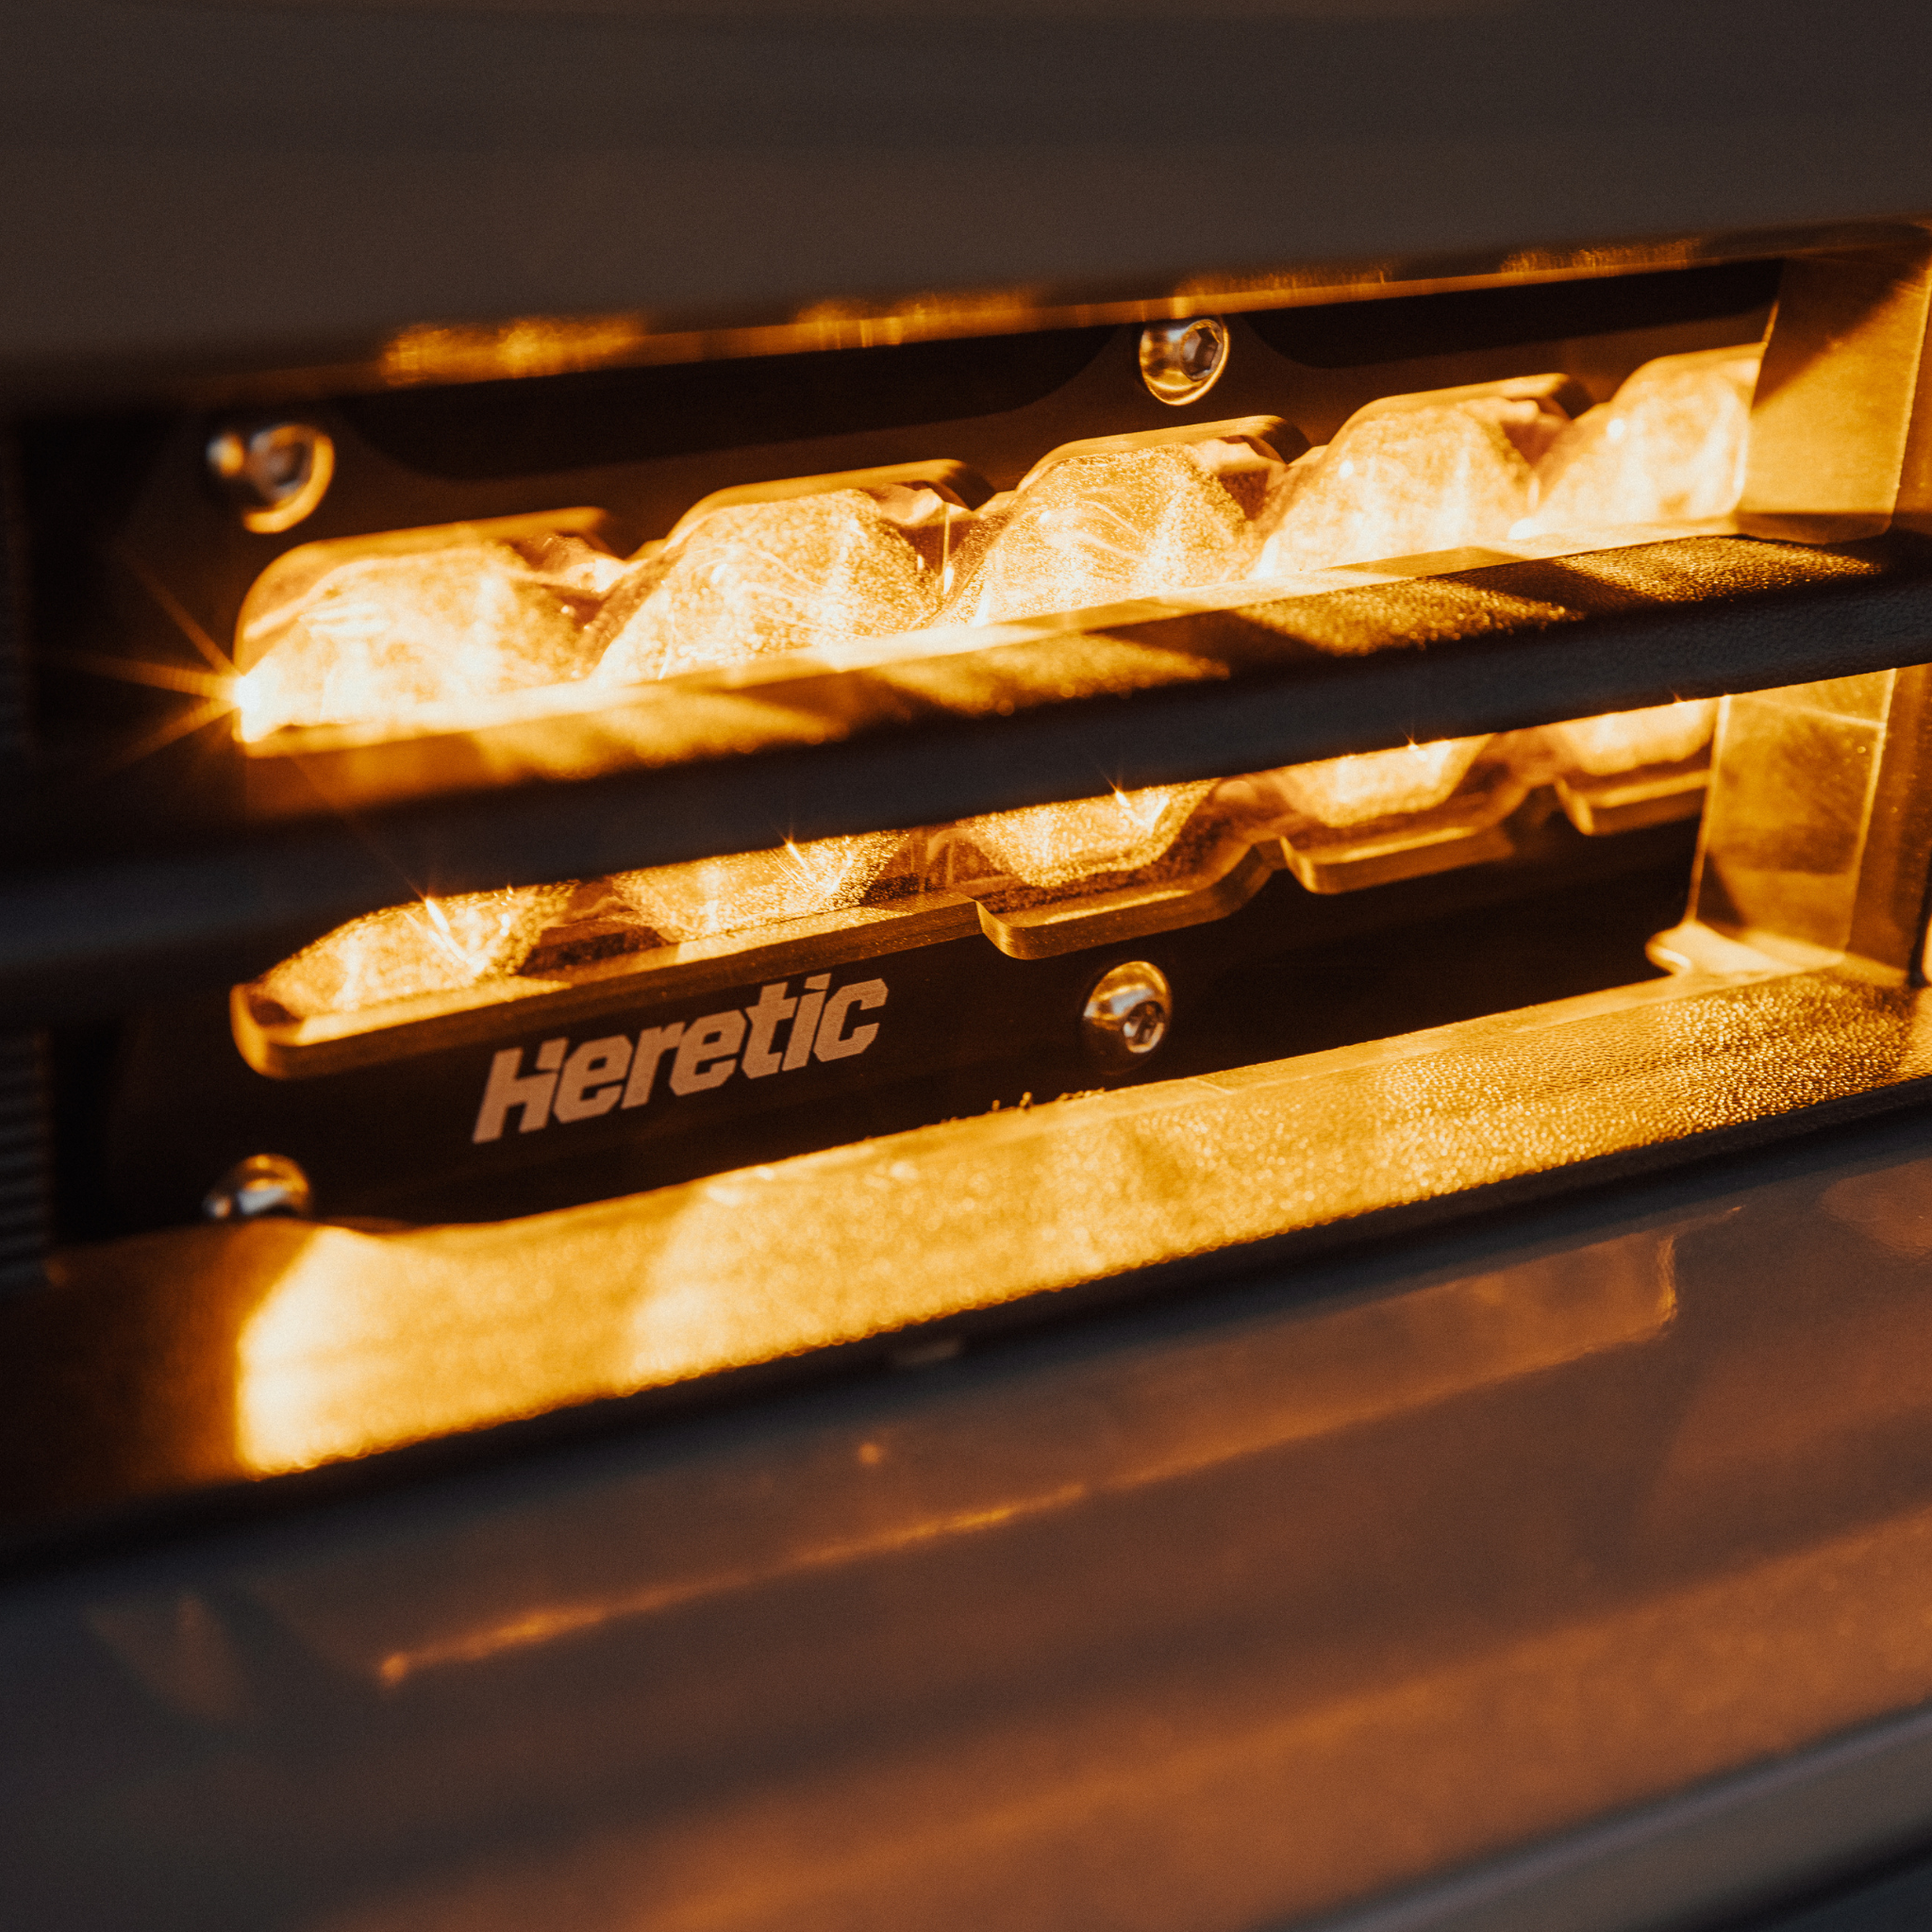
{"x":389,"y":635}
{"x":1366,"y":786}
{"x":423,"y":629}
{"x":1056,"y":844}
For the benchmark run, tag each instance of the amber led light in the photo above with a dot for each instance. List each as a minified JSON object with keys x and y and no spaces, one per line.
{"x":427,"y":622}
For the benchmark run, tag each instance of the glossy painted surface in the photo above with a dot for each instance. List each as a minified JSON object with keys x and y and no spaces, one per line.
{"x":1214,"y":1616}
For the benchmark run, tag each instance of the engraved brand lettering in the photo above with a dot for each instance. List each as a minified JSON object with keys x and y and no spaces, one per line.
{"x":509,"y":1086}
{"x":779,"y":1033}
{"x":591,"y":1079}
{"x":654,"y":1042}
{"x":770,"y":1013}
{"x":834,"y":1043}
{"x":809,"y":1005}
{"x":708,"y":1054}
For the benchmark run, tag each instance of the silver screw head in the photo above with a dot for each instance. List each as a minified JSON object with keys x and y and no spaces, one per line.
{"x":273,"y":474}
{"x":261,"y":1185}
{"x":1180,"y":361}
{"x":1127,"y":1014}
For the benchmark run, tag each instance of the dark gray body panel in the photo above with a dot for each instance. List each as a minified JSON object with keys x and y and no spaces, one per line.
{"x":197,"y":188}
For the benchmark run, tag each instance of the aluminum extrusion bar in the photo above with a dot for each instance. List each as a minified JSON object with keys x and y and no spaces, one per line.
{"x":1226,"y":1169}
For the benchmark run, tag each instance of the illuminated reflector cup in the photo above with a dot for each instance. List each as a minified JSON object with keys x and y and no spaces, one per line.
{"x":1056,"y":844}
{"x":1667,"y":446}
{"x":1660,"y":733}
{"x":1102,"y":528}
{"x":432,"y":945}
{"x":379,"y":637}
{"x":716,"y":895}
{"x":1401,"y":484}
{"x":754,"y":578}
{"x":1351,"y":791}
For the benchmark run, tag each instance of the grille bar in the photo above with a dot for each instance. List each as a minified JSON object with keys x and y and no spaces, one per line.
{"x":738,"y":762}
{"x":25,"y":1181}
{"x":25,"y":1214}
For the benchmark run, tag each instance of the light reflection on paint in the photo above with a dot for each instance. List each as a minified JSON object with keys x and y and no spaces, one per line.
{"x":1334,"y":1369}
{"x":367,"y":1341}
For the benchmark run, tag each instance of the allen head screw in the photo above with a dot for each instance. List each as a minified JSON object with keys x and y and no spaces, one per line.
{"x":273,"y":474}
{"x":1180,"y":361}
{"x":1127,"y":1014}
{"x":264,"y":1184}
